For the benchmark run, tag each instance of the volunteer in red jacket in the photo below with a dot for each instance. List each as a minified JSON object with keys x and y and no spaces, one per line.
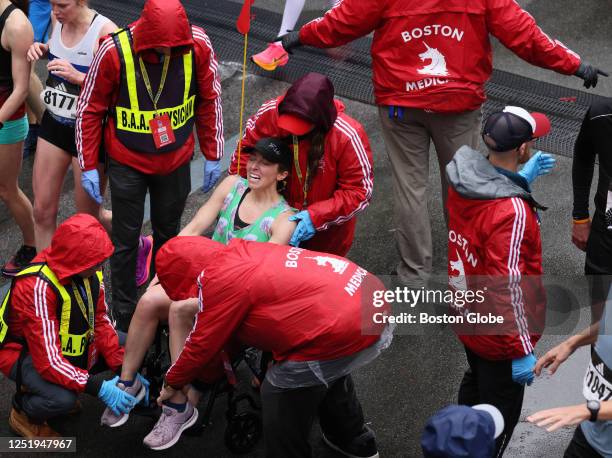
{"x":313,"y":312}
{"x":332,"y":176}
{"x":430,"y":62}
{"x":147,"y":87}
{"x":55,"y":331}
{"x":494,"y":248}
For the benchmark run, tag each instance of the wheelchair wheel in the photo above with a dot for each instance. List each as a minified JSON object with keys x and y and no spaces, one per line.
{"x":243,"y":432}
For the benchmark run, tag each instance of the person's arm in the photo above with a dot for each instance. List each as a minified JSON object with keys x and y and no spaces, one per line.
{"x":97,"y":95}
{"x":208,"y":213}
{"x":348,"y":20}
{"x":553,"y":419}
{"x":222,"y":310}
{"x":106,"y":339}
{"x":517,"y":30}
{"x":355,"y":180}
{"x":282,"y":229}
{"x":20,"y":36}
{"x":208,"y":111}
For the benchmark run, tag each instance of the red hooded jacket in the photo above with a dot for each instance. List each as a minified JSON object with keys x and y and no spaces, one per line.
{"x":436,"y":54}
{"x":78,"y":244}
{"x":163,"y":23}
{"x":343,"y":184}
{"x":298,"y":304}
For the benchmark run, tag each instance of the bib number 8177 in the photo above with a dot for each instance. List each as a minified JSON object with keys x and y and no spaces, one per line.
{"x":51,"y":98}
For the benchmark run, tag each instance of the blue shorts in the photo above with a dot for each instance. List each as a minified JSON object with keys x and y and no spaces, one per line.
{"x":14,"y":131}
{"x":40,"y":17}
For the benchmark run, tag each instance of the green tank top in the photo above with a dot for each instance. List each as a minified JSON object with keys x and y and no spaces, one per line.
{"x":259,"y":231}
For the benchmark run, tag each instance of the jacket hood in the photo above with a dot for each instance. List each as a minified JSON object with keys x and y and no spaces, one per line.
{"x":79,"y":243}
{"x":474,"y":177}
{"x":311,"y":98}
{"x":162,"y":23}
{"x":181,"y":260}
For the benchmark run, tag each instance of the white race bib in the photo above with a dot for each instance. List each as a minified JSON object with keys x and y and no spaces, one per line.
{"x":596,"y":387}
{"x":60,"y":103}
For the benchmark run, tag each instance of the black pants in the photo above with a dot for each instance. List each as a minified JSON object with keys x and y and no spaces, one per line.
{"x":490,"y":382}
{"x":288,"y":416}
{"x":579,"y":447}
{"x":168,"y":194}
{"x":598,"y":265}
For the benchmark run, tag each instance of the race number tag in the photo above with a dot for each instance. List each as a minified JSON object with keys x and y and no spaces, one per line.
{"x":161,"y":128}
{"x":597,"y":384}
{"x":60,"y":103}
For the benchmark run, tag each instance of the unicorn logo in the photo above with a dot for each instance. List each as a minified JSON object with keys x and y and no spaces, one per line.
{"x":437,"y":66}
{"x":457,"y":281}
{"x":339,"y":265}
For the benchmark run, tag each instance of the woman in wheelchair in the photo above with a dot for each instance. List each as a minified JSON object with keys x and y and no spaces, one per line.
{"x":250,"y":209}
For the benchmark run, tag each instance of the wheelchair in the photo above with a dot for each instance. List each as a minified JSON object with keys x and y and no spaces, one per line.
{"x":244,"y":427}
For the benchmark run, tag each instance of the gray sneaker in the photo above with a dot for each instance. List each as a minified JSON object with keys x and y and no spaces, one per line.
{"x":168,"y":429}
{"x":109,"y":418}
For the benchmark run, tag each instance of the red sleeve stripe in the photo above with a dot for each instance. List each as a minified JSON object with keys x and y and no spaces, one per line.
{"x":214,"y":68}
{"x":366,"y":169}
{"x":50,"y":338}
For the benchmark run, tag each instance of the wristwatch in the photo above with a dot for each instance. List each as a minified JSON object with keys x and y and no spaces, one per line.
{"x":593,"y":407}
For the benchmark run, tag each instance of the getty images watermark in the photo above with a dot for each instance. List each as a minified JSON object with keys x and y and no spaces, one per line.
{"x":498,"y":305}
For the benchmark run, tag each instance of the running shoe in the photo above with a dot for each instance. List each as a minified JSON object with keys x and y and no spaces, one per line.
{"x":137,"y":390}
{"x":171,"y":424}
{"x":362,"y":446}
{"x":143,"y":260}
{"x":271,"y":57}
{"x":21,"y":259}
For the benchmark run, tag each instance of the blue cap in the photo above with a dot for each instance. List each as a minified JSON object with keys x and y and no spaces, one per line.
{"x":461,"y":431}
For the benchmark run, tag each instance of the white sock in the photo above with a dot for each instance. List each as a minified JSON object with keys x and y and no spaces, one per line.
{"x":293,"y":9}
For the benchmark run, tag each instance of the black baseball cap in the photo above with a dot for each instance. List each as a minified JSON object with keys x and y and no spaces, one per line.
{"x":273,"y":150}
{"x":508,"y":129}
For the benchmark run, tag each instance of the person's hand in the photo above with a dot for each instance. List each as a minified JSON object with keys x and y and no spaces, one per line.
{"x":580,"y":234}
{"x":119,"y":401}
{"x":290,"y":41}
{"x":589,"y":74}
{"x":212,"y":172}
{"x":146,"y":384}
{"x":65,"y":70}
{"x":522,"y":369}
{"x":304,"y":229}
{"x":553,"y":358}
{"x":560,"y":416}
{"x":153,"y":282}
{"x":90,"y":180}
{"x":166,"y":393}
{"x":37,"y":51}
{"x":539,"y":164}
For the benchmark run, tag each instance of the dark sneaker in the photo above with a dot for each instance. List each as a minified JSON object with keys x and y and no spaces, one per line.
{"x":143,"y":260}
{"x":362,"y":446}
{"x":109,"y":418}
{"x":168,"y":429}
{"x":21,"y":259}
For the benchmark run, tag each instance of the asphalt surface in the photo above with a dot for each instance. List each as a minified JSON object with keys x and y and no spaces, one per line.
{"x":420,"y":372}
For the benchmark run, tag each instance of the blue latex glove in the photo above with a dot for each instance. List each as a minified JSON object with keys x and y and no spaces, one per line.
{"x":115,"y":398}
{"x":539,"y":164}
{"x":212,"y":172}
{"x":522,"y":369}
{"x":90,"y":180}
{"x":304,"y":230}
{"x":146,"y":384}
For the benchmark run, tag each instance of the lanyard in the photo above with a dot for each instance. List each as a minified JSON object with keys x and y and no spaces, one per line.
{"x":298,"y":170}
{"x":145,"y":77}
{"x":87,"y":312}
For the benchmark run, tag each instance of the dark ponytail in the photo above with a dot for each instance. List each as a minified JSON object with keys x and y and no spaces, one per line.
{"x":317,"y":148}
{"x":23,"y":5}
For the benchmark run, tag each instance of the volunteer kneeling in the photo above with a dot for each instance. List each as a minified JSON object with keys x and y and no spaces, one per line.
{"x":55,"y":330}
{"x":311,"y":310}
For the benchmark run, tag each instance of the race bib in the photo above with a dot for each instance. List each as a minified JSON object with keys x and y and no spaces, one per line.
{"x":59,"y":102}
{"x":597,"y":384}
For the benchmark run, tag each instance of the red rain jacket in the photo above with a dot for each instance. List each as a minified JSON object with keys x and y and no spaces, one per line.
{"x":79,"y":243}
{"x":298,"y":304}
{"x":163,"y":23}
{"x":436,"y":54}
